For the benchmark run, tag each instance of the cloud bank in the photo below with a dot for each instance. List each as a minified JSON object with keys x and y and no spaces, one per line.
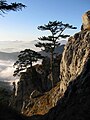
{"x":6,"y":72}
{"x":16,"y":46}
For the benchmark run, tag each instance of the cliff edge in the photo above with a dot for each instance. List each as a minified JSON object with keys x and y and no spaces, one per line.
{"x":74,"y":57}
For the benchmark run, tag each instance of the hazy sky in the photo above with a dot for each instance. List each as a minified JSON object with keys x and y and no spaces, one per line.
{"x":23,"y":25}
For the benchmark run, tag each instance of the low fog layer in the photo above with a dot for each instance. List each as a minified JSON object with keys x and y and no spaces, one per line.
{"x":6,"y":72}
{"x":16,"y":46}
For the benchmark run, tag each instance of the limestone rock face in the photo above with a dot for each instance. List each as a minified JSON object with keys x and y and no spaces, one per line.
{"x":42,"y":104}
{"x":74,"y":58}
{"x":29,"y":81}
{"x":86,"y":21}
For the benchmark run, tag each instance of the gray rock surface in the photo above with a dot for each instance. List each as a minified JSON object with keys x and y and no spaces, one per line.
{"x":86,"y":20}
{"x":74,"y":57}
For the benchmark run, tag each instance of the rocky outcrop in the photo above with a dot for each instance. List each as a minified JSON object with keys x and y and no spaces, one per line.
{"x":42,"y":104}
{"x":86,"y":21}
{"x":30,"y":81}
{"x":33,"y":87}
{"x":74,"y":57}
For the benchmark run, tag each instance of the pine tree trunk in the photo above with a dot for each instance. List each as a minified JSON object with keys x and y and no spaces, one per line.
{"x":51,"y":65}
{"x":31,"y":64}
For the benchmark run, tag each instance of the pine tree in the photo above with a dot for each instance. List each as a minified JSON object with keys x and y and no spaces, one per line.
{"x":49,"y":43}
{"x":5,"y":7}
{"x":25,"y":60}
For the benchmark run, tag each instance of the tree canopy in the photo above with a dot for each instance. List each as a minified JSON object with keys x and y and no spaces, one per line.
{"x":25,"y":60}
{"x":5,"y":7}
{"x":56,"y":29}
{"x":49,"y":43}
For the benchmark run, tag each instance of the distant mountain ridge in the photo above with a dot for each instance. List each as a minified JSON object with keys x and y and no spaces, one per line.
{"x":8,"y":56}
{"x":14,"y":55}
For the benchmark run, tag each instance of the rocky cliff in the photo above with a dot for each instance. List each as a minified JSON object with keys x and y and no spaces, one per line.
{"x":74,"y":57}
{"x":29,"y":81}
{"x":86,"y":21}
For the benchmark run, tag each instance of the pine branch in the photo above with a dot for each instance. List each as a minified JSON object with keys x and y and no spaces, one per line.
{"x":64,"y":36}
{"x":4,"y":7}
{"x":49,"y":38}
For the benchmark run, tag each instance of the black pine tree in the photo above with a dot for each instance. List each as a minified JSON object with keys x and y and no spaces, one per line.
{"x":4,"y":6}
{"x":49,"y":43}
{"x":25,"y":60}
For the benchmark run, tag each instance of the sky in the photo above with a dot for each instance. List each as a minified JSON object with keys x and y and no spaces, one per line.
{"x":22,"y":25}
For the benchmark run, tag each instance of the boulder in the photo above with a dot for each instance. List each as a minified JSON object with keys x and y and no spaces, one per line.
{"x":86,"y":20}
